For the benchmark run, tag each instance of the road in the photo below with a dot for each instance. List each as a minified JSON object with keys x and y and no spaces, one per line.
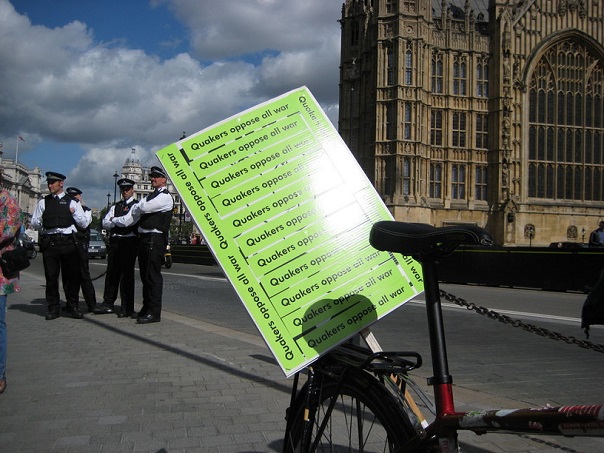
{"x":493,"y":364}
{"x":203,"y":293}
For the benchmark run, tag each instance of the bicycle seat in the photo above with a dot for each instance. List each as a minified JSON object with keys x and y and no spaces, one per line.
{"x":420,"y":239}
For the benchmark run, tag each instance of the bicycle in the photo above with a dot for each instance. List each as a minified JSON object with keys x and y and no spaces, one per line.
{"x":357,"y":399}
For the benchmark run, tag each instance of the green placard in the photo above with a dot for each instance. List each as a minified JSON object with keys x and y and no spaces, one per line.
{"x":286,"y":210}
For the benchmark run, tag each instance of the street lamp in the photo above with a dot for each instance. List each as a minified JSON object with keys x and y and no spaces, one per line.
{"x":115,"y":176}
{"x":108,"y":196}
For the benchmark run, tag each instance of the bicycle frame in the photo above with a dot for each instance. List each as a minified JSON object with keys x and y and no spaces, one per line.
{"x":410,"y":432}
{"x":582,"y":420}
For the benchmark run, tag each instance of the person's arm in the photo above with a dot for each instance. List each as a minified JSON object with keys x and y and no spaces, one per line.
{"x":161,"y":203}
{"x":78,"y":214}
{"x":36,"y":220}
{"x":11,"y":223}
{"x":107,"y":223}
{"x":88,"y":215}
{"x":128,"y":219}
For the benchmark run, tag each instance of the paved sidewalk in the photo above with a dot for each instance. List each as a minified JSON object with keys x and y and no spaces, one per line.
{"x":104,"y":384}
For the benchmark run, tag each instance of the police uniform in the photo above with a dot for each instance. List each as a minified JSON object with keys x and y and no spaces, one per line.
{"x":83,"y":239}
{"x":153,"y":214}
{"x":121,"y":257}
{"x":56,"y":216}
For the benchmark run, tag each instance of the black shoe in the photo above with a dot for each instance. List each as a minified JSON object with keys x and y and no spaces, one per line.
{"x":125,"y":314}
{"x":91,"y":308}
{"x":147,"y":319}
{"x":74,"y":312}
{"x":103,"y":309}
{"x":141,"y":313}
{"x":53,"y":315}
{"x":134,"y":315}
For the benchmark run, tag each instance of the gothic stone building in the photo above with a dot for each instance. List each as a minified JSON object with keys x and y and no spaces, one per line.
{"x":483,"y":113}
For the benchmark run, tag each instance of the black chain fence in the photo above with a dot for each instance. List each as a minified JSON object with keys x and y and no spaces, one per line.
{"x":492,"y":314}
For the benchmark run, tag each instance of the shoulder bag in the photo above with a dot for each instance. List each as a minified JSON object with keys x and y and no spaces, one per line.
{"x":13,"y":261}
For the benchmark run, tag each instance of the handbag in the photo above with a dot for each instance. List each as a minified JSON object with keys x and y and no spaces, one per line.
{"x":13,"y":261}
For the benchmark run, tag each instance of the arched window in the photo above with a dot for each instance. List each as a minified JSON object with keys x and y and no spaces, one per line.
{"x":482,"y":78}
{"x":458,"y":182}
{"x":459,"y":75}
{"x":566,"y":102}
{"x":408,"y":66}
{"x":436,"y":180}
{"x":436,"y":127}
{"x":480,"y":182}
{"x":406,"y":176}
{"x":437,"y":73}
{"x":390,"y":66}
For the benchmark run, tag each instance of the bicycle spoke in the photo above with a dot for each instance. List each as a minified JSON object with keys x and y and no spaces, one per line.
{"x":364,"y":417}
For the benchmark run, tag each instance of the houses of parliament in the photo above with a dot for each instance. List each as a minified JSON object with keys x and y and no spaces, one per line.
{"x":479,"y":112}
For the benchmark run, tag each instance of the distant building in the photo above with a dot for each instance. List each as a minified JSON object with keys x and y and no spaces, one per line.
{"x":479,"y":111}
{"x":21,"y":182}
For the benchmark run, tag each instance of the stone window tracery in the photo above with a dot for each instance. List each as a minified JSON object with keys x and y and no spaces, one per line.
{"x":458,"y":182}
{"x":566,"y":109}
{"x":482,"y":78}
{"x":480,"y":182}
{"x":437,"y":73}
{"x":460,"y":76}
{"x":436,"y":178}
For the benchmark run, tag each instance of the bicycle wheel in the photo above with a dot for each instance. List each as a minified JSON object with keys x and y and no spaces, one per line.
{"x":366,"y":417}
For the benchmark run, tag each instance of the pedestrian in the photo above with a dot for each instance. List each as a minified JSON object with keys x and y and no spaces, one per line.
{"x":596,"y":237}
{"x":56,"y":216}
{"x":83,"y":239}
{"x":121,"y":256}
{"x":11,"y":219}
{"x":153,"y":214}
{"x":593,"y":307}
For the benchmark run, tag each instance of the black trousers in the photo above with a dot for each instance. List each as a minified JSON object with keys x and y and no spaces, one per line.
{"x":86,"y":281}
{"x":62,"y":257}
{"x":121,"y":259}
{"x":151,"y":251}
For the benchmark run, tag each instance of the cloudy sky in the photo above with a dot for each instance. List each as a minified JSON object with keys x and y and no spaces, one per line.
{"x":85,"y":81}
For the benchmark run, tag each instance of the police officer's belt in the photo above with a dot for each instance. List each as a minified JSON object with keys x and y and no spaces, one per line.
{"x":60,"y":237}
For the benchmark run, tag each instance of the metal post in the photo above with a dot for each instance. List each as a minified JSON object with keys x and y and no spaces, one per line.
{"x":115,"y":176}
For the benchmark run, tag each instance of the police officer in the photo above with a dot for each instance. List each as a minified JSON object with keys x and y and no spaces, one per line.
{"x":83,"y":239}
{"x":56,"y":216}
{"x":123,"y":248}
{"x":153,"y":214}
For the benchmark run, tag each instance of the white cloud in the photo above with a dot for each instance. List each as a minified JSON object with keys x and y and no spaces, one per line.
{"x":232,"y":28}
{"x":61,"y":85}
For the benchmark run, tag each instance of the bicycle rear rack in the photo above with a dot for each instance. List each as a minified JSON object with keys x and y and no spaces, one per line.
{"x":378,"y":362}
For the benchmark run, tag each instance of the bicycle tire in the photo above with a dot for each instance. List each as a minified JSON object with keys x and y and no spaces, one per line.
{"x":384,"y":426}
{"x":168,"y":262}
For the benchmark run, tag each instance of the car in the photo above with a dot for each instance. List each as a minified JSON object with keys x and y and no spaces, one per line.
{"x":96,"y":246}
{"x":568,"y":245}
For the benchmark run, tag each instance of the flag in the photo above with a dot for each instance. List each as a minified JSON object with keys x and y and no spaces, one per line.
{"x":21,"y":138}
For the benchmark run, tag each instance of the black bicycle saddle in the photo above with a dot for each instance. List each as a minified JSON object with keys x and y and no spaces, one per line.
{"x":420,"y":239}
